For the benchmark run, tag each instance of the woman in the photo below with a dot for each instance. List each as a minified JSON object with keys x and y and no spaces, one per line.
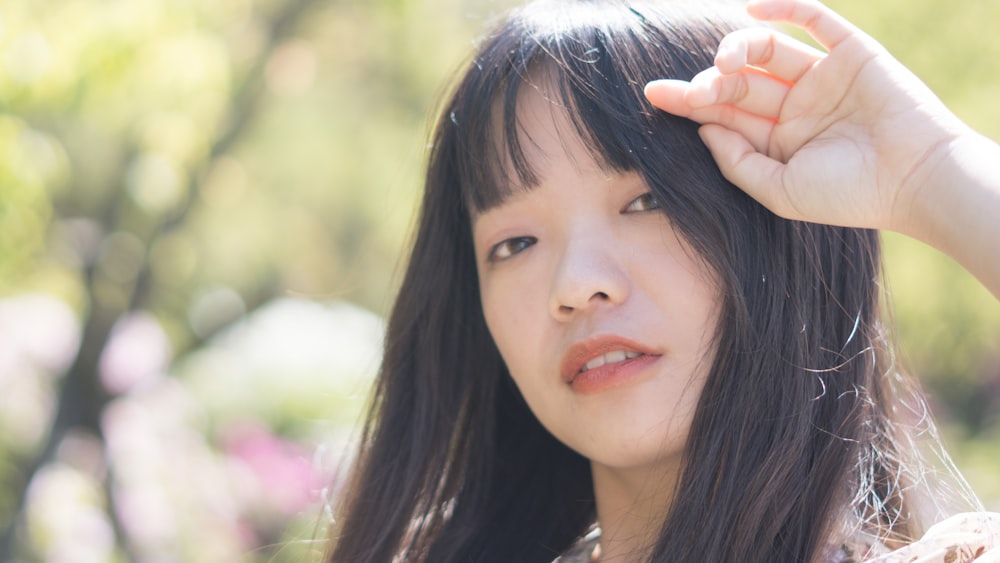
{"x":597,"y":328}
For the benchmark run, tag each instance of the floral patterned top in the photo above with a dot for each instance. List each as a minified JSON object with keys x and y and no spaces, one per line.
{"x":972,"y":536}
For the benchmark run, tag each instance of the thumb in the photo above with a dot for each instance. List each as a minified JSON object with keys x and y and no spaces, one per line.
{"x":755,"y":173}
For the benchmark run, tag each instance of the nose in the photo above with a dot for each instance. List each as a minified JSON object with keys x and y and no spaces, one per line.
{"x":589,"y":273}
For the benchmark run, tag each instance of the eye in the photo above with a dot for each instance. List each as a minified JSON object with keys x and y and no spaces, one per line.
{"x":645,"y":202}
{"x":510,"y":247}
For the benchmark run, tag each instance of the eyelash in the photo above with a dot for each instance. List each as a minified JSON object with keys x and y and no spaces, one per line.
{"x":644,"y":203}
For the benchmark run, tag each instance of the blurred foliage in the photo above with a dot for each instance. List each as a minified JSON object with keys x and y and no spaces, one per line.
{"x":168,"y":168}
{"x":171,"y":167}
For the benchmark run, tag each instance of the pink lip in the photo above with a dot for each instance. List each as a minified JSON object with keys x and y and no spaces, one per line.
{"x":609,"y":375}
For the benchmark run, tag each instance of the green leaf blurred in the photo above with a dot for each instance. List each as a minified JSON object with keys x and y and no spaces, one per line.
{"x":178,"y":166}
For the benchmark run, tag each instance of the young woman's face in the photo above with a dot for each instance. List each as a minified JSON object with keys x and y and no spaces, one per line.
{"x":604,"y":317}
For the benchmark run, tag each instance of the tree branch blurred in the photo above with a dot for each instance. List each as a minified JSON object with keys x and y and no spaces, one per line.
{"x":82,"y":397}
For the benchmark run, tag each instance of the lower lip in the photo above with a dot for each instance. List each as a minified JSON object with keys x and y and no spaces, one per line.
{"x":611,"y":375}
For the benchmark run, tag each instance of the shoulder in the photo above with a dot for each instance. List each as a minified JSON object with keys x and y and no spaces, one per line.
{"x":972,"y":536}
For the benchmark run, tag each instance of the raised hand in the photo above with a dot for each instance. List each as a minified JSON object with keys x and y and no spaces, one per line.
{"x":849,"y":137}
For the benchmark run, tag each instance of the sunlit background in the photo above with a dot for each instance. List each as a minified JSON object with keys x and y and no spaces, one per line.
{"x":203,"y":211}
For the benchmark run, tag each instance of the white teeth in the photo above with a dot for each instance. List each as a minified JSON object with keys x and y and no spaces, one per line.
{"x":616,"y":356}
{"x":610,"y":358}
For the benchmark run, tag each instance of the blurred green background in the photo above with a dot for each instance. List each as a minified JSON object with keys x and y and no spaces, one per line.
{"x":203,"y":211}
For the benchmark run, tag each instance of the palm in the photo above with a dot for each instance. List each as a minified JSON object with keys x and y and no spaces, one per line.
{"x":845,"y":162}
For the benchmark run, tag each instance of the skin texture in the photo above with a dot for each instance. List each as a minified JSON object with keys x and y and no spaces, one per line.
{"x":849,"y":137}
{"x":586,"y":253}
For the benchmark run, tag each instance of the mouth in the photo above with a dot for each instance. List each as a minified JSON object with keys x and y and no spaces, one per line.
{"x":600,"y":351}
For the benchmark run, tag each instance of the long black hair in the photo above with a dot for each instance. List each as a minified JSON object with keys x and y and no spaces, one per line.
{"x":793,"y":448}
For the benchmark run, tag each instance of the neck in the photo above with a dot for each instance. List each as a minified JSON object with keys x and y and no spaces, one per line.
{"x":631,"y":506}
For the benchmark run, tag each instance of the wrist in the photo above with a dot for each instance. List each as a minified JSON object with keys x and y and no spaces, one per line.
{"x":956,"y":206}
{"x":945,"y":187}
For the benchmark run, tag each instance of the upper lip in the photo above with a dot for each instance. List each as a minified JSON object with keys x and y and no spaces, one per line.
{"x":578,"y":354}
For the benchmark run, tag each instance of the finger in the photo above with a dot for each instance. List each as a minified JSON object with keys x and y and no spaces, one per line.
{"x":751,"y":90}
{"x":822,"y":23}
{"x":669,"y":95}
{"x":753,"y":172}
{"x":779,"y":54}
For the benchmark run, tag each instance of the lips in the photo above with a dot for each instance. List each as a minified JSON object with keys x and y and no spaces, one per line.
{"x":598,"y":351}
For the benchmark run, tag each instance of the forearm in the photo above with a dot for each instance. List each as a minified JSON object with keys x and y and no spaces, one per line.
{"x":957,"y":208}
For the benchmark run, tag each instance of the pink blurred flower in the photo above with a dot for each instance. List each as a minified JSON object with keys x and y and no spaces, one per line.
{"x":287,"y":477}
{"x":138,"y":350}
{"x":39,"y":329}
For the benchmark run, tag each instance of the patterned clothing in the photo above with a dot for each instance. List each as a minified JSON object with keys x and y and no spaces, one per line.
{"x":973,"y":536}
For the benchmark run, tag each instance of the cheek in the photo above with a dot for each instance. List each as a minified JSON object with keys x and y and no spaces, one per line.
{"x":504,"y":319}
{"x":516,"y":327}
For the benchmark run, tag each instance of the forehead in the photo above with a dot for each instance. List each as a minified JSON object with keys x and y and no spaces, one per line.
{"x":537,"y":134}
{"x":548,"y":133}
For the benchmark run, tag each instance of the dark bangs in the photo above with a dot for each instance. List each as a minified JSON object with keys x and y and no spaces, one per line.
{"x":595,"y":59}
